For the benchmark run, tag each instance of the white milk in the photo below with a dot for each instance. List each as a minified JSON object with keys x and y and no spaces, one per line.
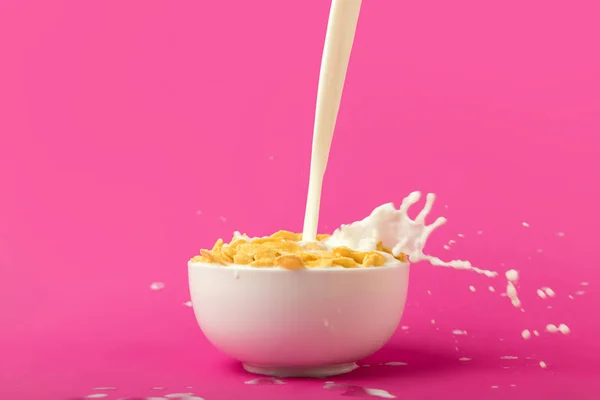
{"x":398,"y":232}
{"x":341,"y":28}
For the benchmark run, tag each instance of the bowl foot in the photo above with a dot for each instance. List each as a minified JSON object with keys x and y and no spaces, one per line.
{"x":300,"y":372}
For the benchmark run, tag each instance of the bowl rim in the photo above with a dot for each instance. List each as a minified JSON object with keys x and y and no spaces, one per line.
{"x":240,"y":267}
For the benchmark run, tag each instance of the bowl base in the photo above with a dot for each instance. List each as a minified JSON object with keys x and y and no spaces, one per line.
{"x":300,"y":372}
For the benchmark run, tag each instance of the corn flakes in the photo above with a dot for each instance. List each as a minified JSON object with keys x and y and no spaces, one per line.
{"x":289,"y":261}
{"x":284,"y":250}
{"x":346,"y":262}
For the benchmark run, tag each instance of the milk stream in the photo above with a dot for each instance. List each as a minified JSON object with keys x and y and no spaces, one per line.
{"x":341,"y":28}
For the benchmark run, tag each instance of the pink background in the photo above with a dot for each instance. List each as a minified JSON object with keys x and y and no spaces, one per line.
{"x":132,"y":133}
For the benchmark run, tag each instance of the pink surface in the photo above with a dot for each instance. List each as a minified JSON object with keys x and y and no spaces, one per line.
{"x":133,"y":133}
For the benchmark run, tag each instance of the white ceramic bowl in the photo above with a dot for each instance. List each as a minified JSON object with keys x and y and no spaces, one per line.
{"x":311,"y":323}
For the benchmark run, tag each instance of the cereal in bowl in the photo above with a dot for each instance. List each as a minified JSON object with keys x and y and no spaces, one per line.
{"x":286,"y":250}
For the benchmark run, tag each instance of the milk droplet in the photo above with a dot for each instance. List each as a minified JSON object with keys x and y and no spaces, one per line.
{"x":96,"y":396}
{"x":525,"y":224}
{"x":580,"y":292}
{"x":551,"y":328}
{"x":516,"y":303}
{"x":512,"y":385}
{"x":585,"y":283}
{"x":526,"y":334}
{"x":564,"y":329}
{"x":446,"y":247}
{"x":188,"y":303}
{"x":511,"y":292}
{"x":495,"y":387}
{"x":271,"y":158}
{"x":480,"y":232}
{"x":198,"y":212}
{"x":451,"y":242}
{"x":464,"y":359}
{"x":429,"y":292}
{"x":549,"y":292}
{"x":560,"y":234}
{"x":540,"y":250}
{"x":158,"y":388}
{"x":492,"y":289}
{"x":543,"y":364}
{"x":176,"y":396}
{"x":433,"y":321}
{"x":536,"y":333}
{"x":157,"y":286}
{"x":358,"y":391}
{"x":472,"y":288}
{"x":404,"y":327}
{"x":395,"y":364}
{"x":105,"y":388}
{"x":460,"y":235}
{"x":223,"y":219}
{"x":512,"y":275}
{"x":384,"y":394}
{"x":509,"y":358}
{"x":541,"y":293}
{"x":265,"y":381}
{"x":571,"y":297}
{"x":459,"y":332}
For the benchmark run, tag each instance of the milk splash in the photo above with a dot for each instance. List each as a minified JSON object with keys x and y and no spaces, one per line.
{"x":395,"y":230}
{"x":358,"y":391}
{"x":265,"y":381}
